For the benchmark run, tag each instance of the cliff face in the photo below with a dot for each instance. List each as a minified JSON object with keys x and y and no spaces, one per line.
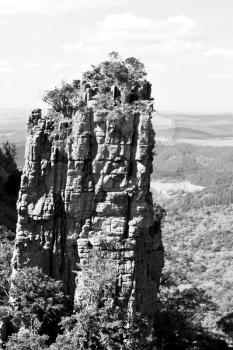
{"x":86,"y":181}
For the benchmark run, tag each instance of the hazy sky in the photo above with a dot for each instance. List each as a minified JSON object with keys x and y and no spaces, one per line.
{"x":186,"y":45}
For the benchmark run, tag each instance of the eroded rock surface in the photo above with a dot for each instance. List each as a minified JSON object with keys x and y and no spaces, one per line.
{"x":86,"y":181}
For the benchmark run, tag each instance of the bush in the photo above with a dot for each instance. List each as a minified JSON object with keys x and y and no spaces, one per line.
{"x":6,"y":250}
{"x":27,"y":339}
{"x":9,"y":185}
{"x":7,"y":156}
{"x":38,"y":300}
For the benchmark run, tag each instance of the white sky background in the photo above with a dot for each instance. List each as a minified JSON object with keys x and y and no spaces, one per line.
{"x":186,"y":45}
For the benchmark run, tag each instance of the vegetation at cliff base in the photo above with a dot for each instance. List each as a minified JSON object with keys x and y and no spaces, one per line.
{"x":40,"y":320}
{"x":98,"y":321}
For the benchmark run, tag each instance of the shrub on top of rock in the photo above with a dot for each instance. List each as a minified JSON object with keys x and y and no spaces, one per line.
{"x":110,"y":83}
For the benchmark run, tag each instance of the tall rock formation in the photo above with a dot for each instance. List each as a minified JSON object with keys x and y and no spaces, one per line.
{"x":86,"y":182}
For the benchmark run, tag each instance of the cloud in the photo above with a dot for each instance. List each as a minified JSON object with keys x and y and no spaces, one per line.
{"x":218,"y":75}
{"x":127,"y":31}
{"x":5,"y":68}
{"x":58,"y":66}
{"x":31,"y":65}
{"x":218,"y":51}
{"x":156,"y":66}
{"x":4,"y":63}
{"x":5,"y":23}
{"x":48,"y":7}
{"x":7,"y":80}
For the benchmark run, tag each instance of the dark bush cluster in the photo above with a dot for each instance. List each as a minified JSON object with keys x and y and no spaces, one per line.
{"x":9,"y":185}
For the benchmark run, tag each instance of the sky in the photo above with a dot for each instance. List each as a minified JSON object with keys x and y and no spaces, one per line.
{"x":186,"y":46}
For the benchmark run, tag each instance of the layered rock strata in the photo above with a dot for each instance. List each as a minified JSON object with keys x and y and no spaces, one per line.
{"x":86,"y":181}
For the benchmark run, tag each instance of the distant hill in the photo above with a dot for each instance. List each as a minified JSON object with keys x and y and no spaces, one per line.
{"x":185,"y":132}
{"x":199,"y":126}
{"x":198,"y":116}
{"x":189,"y":161}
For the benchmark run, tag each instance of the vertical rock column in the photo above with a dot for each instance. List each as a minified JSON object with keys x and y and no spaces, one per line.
{"x":87,"y":181}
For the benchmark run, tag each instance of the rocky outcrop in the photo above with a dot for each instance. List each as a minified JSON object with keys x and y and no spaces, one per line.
{"x":86,"y":182}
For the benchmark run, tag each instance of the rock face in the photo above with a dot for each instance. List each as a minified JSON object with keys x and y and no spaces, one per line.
{"x":86,"y":181}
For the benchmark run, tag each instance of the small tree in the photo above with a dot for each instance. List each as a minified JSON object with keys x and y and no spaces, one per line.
{"x":7,"y":156}
{"x":6,"y":250}
{"x":39,"y":300}
{"x":65,"y":100}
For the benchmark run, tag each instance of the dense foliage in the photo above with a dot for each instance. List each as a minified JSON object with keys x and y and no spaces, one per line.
{"x":123,"y":73}
{"x":99,"y":322}
{"x":27,"y":339}
{"x":7,"y":156}
{"x":9,"y":185}
{"x":39,"y":300}
{"x":6,"y":250}
{"x":126,"y":74}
